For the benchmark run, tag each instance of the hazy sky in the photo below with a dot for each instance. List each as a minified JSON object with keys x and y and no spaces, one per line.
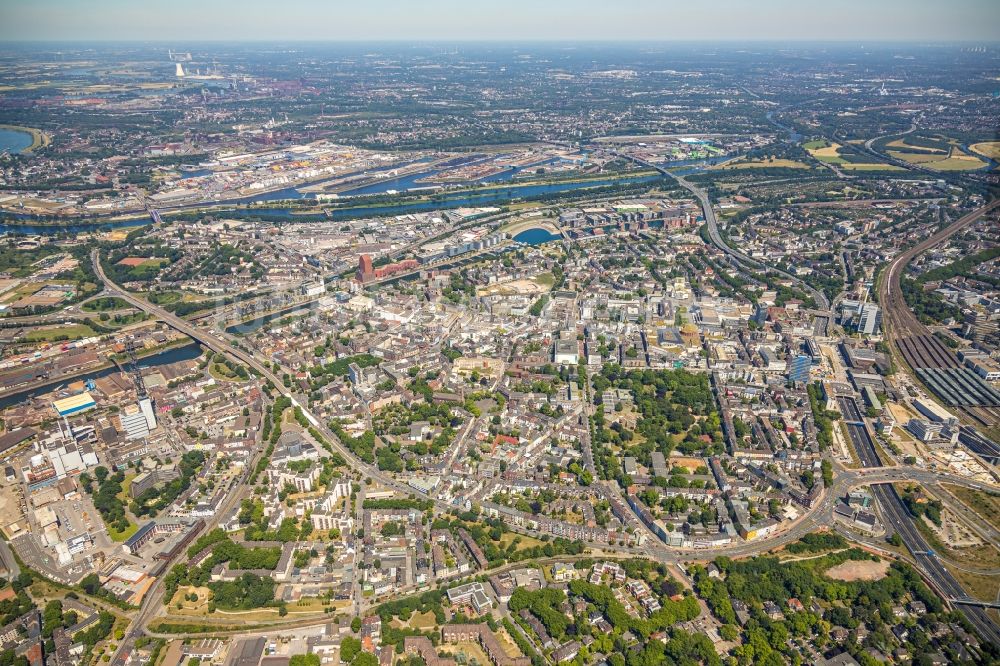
{"x":868,"y":20}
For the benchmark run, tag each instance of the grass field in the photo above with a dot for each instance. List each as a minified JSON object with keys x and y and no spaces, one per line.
{"x":526,"y":541}
{"x":827,"y":152}
{"x":963,"y":163}
{"x":977,"y":585}
{"x":71,"y":332}
{"x":164,"y":297}
{"x":917,"y":158}
{"x":901,"y":143}
{"x":763,"y":164}
{"x":869,"y":166}
{"x":222,"y":373}
{"x":121,"y":321}
{"x":990,"y":149}
{"x":199,"y":609}
{"x":105,"y":304}
{"x":126,"y":484}
{"x":987,"y":505}
{"x":420,"y":621}
{"x":23,"y":290}
{"x":523,"y":205}
{"x":955,"y":160}
{"x":121,"y":536}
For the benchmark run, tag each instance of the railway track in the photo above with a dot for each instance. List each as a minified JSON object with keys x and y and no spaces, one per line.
{"x":930,"y":361}
{"x":894,"y":305}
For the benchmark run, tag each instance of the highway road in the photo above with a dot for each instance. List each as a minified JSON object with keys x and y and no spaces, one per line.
{"x":849,"y":408}
{"x":896,"y":517}
{"x":713,"y":231}
{"x":211,"y":340}
{"x":819,"y":515}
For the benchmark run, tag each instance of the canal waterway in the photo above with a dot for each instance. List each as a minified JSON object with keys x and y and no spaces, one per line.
{"x":183,"y":353}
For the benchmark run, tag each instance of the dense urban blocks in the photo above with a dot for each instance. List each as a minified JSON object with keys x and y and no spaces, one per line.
{"x":399,"y":354}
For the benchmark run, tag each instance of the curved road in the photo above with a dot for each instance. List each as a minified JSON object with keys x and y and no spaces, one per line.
{"x":819,"y":515}
{"x":713,"y":230}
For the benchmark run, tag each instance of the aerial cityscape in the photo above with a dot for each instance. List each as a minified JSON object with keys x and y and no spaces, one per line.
{"x":543,"y":349}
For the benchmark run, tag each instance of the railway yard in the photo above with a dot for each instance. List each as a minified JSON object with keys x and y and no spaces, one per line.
{"x":521,"y":356}
{"x":931,"y":361}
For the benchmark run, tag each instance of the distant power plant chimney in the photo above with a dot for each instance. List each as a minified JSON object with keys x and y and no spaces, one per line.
{"x":180,"y":70}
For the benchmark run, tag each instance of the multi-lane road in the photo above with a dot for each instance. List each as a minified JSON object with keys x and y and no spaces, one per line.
{"x":819,"y":515}
{"x":896,"y":517}
{"x":713,"y":230}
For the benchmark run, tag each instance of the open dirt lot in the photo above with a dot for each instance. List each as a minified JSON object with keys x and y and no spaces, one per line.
{"x":851,"y":570}
{"x":515,"y":288}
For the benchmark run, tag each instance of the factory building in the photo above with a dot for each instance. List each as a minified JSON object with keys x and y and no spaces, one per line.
{"x":75,"y":404}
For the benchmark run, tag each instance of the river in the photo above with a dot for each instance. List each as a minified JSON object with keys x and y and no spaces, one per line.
{"x":444,"y":199}
{"x":484,"y":196}
{"x":793,"y":136}
{"x":251,"y":325}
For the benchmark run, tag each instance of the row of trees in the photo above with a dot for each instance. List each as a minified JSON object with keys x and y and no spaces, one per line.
{"x":822,"y":417}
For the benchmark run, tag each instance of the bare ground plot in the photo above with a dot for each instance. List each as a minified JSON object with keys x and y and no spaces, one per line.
{"x":853,"y":570}
{"x":516,"y":288}
{"x":954,"y":532}
{"x":10,"y":512}
{"x":507,"y":643}
{"x":198,"y":606}
{"x":468,"y":649}
{"x":980,"y":556}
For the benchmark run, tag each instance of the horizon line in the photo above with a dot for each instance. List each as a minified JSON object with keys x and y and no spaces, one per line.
{"x":511,"y":40}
